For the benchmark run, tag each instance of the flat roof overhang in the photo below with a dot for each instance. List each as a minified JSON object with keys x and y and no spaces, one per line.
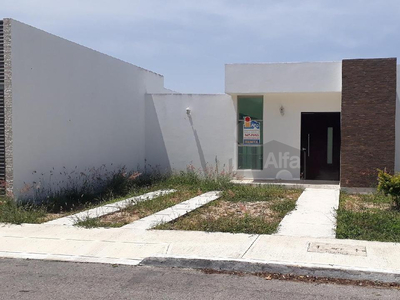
{"x":250,"y":79}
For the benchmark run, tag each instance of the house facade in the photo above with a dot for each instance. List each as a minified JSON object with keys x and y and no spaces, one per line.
{"x":64,"y":106}
{"x":338,"y":117}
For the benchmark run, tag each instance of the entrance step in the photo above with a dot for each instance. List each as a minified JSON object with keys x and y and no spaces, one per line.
{"x":291,"y":184}
{"x":314,"y":215}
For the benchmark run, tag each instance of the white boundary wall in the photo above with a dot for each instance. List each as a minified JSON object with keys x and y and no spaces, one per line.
{"x":73,"y":106}
{"x":176,"y":140}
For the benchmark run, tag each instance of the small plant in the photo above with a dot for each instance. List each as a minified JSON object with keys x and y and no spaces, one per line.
{"x":18,"y":213}
{"x":390,"y":185}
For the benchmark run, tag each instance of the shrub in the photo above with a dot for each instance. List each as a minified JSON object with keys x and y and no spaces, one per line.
{"x":390,"y":185}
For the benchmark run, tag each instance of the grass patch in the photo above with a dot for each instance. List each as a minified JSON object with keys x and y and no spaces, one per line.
{"x":241,"y":209}
{"x":368,"y":217}
{"x":96,"y":222}
{"x":17,"y":212}
{"x":12,"y":212}
{"x":47,"y":204}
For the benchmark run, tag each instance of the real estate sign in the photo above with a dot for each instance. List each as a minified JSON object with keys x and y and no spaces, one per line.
{"x":251,"y":132}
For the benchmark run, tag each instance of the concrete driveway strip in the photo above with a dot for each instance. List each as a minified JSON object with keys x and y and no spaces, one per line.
{"x":174,"y":212}
{"x":314,"y":215}
{"x":108,"y":208}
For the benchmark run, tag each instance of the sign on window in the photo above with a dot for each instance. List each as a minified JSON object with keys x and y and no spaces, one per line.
{"x":251,"y":131}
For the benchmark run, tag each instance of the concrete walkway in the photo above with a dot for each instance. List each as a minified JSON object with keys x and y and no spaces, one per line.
{"x":314,"y":215}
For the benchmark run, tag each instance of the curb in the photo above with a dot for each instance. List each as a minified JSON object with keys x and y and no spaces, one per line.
{"x":69,"y":258}
{"x":334,"y":272}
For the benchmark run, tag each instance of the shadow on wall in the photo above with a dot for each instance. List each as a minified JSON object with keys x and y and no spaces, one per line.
{"x":198,"y":145}
{"x":178,"y":141}
{"x":156,"y":151}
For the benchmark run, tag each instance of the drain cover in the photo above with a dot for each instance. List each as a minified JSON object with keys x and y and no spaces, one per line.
{"x":337,"y":249}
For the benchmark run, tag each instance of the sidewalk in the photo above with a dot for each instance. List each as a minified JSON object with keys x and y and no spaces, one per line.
{"x":303,"y":255}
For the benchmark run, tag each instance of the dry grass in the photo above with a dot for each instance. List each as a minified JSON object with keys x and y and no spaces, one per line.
{"x":359,"y":203}
{"x":244,"y":209}
{"x":53,"y":216}
{"x":240,"y":209}
{"x":122,"y":217}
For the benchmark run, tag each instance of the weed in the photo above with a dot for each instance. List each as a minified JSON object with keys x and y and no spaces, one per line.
{"x":368,"y":217}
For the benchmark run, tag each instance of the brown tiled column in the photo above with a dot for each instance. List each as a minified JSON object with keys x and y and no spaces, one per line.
{"x":368,"y":120}
{"x":7,"y":108}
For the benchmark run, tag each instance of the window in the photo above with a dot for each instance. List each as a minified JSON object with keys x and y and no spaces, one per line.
{"x":250,"y":153}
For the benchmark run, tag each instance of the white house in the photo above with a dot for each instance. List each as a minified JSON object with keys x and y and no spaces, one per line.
{"x":66,"y":106}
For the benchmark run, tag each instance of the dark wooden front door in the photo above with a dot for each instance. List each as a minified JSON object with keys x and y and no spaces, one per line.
{"x":320,"y":146}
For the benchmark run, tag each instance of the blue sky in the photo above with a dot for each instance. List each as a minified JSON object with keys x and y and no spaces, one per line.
{"x":190,"y":41}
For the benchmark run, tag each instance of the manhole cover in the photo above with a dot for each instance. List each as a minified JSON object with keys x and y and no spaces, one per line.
{"x":337,"y":249}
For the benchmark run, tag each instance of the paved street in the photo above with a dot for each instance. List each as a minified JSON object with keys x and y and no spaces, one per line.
{"x":34,"y":280}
